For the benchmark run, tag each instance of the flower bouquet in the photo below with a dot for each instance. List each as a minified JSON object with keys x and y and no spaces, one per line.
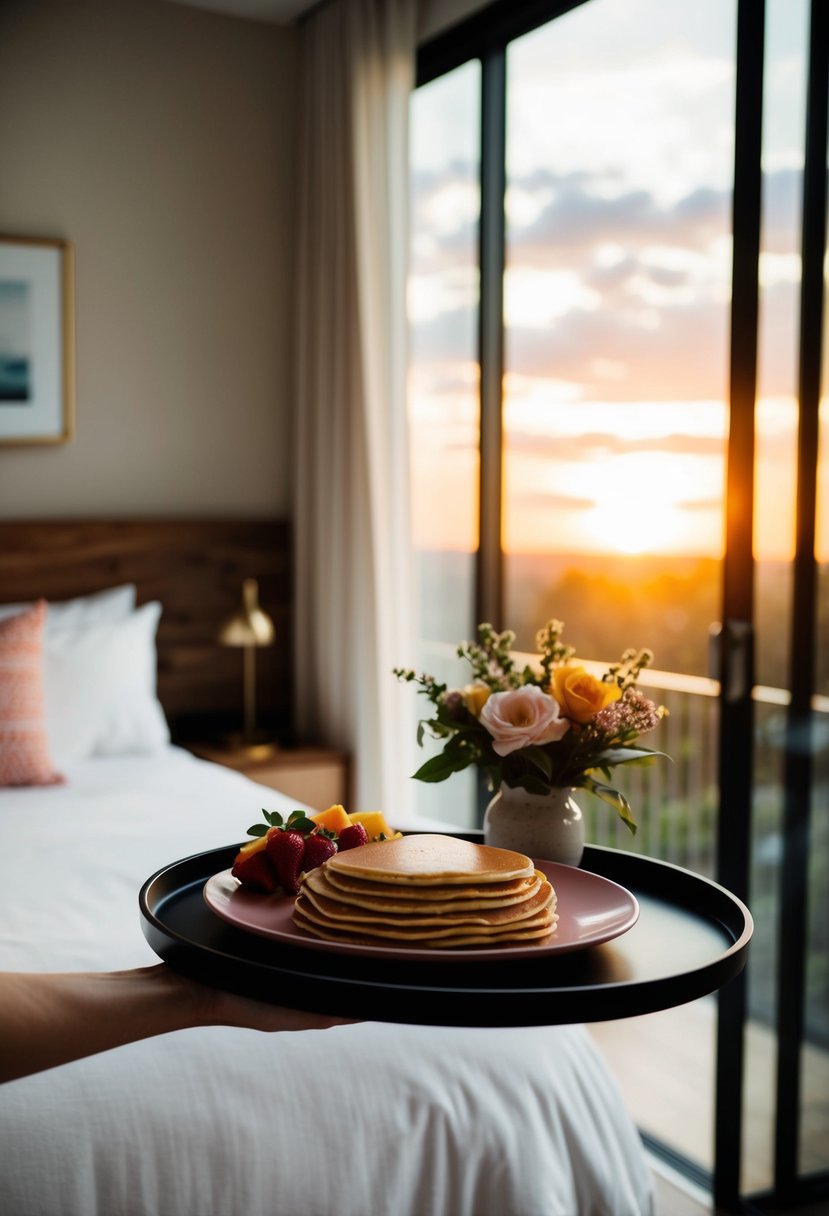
{"x":545,"y":727}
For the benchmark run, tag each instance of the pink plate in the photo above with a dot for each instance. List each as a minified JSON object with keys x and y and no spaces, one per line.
{"x":591,"y":910}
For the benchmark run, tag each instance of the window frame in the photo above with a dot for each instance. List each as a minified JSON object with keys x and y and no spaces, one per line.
{"x":485,"y":36}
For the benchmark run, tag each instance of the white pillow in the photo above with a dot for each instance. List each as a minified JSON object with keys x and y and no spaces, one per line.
{"x":114,"y":604}
{"x":99,"y":689}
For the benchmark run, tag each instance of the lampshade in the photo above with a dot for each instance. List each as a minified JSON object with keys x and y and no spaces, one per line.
{"x":250,"y":626}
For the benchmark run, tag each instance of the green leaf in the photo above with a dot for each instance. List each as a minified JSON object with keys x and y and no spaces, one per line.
{"x":626,"y":755}
{"x":298,"y":821}
{"x":614,"y":797}
{"x":531,"y":783}
{"x":435,"y":728}
{"x":540,"y":760}
{"x":273,"y":819}
{"x":442,"y":766}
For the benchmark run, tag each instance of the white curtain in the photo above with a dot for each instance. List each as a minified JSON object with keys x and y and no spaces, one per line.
{"x":351,"y":527}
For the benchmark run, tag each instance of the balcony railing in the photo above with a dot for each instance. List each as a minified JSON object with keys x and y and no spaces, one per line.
{"x":676,"y":804}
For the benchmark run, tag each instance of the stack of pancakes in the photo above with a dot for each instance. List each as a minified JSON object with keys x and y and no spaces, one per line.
{"x":427,"y":891}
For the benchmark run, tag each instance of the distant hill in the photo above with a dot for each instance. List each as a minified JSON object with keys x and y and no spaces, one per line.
{"x":608,"y":603}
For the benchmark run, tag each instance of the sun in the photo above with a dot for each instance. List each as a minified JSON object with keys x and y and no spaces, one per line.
{"x":634,"y":528}
{"x":642,"y":504}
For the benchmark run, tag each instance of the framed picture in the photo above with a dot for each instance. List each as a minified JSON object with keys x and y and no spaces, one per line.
{"x":37,"y":341}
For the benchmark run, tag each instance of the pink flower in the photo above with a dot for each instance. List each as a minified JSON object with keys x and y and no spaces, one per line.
{"x":522,"y":717}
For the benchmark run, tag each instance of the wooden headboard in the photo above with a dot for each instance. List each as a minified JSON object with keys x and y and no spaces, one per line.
{"x":195,"y":568}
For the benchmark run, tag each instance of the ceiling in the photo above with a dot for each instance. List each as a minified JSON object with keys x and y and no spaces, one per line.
{"x":279,"y":12}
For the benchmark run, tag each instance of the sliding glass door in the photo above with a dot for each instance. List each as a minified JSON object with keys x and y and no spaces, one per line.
{"x":616,"y":305}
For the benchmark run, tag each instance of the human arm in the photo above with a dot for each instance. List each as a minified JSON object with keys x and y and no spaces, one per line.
{"x":50,"y":1019}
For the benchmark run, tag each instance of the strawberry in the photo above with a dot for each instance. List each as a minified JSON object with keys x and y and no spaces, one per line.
{"x":255,"y":870}
{"x":351,"y":838}
{"x":286,"y":849}
{"x":318,"y":848}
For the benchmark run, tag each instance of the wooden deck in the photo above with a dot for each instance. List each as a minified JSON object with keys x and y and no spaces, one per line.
{"x":664,"y":1064}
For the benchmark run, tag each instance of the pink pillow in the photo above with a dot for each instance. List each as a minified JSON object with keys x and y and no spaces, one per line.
{"x":24,"y":752}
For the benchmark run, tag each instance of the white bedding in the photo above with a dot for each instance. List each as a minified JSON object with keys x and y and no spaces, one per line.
{"x":364,"y":1120}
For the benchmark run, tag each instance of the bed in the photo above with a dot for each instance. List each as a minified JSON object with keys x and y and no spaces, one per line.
{"x":358,"y":1120}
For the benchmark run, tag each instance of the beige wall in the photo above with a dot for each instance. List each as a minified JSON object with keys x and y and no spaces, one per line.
{"x":160,"y":140}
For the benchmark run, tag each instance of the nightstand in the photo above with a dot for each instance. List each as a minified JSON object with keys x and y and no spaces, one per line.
{"x":316,"y":776}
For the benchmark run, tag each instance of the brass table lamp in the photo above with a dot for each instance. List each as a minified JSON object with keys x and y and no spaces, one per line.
{"x":248,"y":628}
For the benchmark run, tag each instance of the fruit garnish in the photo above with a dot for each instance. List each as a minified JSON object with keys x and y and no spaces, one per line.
{"x":297,"y":821}
{"x":286,"y":849}
{"x":319,"y":846}
{"x":252,"y":846}
{"x":302,"y":842}
{"x":256,"y":870}
{"x":334,"y":819}
{"x":352,"y":837}
{"x":375,"y":824}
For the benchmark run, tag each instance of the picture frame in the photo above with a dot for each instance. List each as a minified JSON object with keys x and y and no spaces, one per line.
{"x":37,"y":341}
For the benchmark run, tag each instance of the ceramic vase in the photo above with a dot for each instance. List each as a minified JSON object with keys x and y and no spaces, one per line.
{"x":547,"y":827}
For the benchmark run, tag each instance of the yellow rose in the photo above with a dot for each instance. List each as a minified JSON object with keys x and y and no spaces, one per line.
{"x":475,"y":697}
{"x":581,"y":695}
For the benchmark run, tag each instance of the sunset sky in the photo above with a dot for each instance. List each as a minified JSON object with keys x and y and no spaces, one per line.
{"x":620,"y":155}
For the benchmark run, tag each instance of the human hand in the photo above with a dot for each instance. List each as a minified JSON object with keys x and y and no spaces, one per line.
{"x":217,"y":1007}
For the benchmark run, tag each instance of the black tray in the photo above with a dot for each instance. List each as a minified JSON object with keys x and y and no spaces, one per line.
{"x":691,"y":937}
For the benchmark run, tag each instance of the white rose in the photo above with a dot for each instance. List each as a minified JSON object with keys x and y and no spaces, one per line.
{"x":522,"y":717}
